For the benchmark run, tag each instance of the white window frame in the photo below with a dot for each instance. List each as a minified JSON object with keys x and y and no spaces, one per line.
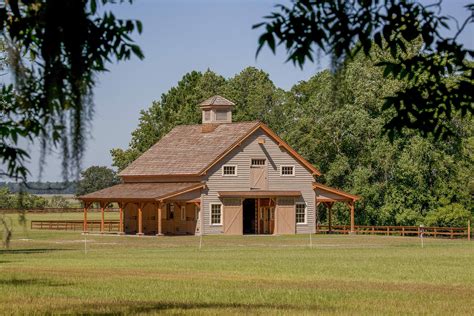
{"x":210,"y":214}
{"x":305,"y":213}
{"x":287,"y":175}
{"x":229,"y":175}
{"x":183,"y":213}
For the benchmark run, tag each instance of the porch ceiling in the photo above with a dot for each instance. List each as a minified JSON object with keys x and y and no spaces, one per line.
{"x":258,"y":194}
{"x":328,"y":194}
{"x":141,"y":191}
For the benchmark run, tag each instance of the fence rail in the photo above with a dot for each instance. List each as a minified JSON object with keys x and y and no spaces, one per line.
{"x":57,"y":210}
{"x":75,"y":225}
{"x":451,"y":232}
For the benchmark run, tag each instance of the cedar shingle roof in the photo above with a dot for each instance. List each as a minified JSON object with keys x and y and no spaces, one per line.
{"x":141,"y":191}
{"x":216,"y":100}
{"x":187,"y":151}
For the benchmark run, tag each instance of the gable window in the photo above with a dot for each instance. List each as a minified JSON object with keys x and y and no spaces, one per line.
{"x":300,"y":213}
{"x":229,"y":170}
{"x":221,"y":115}
{"x":258,"y":162}
{"x":287,"y":170}
{"x":183,"y":213}
{"x":169,"y":211}
{"x":216,"y":214}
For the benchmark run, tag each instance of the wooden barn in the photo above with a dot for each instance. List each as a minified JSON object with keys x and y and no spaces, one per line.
{"x":219,"y":177}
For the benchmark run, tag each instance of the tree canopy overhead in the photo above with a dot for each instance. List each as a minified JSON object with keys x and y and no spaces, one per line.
{"x":55,"y":50}
{"x":342,"y":28}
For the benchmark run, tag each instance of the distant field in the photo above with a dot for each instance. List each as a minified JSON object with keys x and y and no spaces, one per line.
{"x":49,"y":272}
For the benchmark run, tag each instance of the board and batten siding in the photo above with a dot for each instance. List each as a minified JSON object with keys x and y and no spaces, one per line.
{"x":241,"y":157}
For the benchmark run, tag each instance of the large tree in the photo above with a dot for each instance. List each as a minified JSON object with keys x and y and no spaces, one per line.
{"x":55,"y":50}
{"x":96,"y":178}
{"x":341,"y":28}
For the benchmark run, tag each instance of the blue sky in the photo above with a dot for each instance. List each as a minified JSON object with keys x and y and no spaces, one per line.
{"x":180,"y":36}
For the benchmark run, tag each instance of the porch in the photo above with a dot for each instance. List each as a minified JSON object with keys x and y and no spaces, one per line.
{"x":149,"y":208}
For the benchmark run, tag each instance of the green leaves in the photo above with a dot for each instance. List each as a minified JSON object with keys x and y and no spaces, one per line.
{"x":343,"y":28}
{"x":70,"y":44}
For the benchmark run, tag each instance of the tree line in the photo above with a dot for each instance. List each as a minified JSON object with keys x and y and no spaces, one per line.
{"x":336,"y":121}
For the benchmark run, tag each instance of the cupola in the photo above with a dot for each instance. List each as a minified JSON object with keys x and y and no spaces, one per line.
{"x":215,"y":111}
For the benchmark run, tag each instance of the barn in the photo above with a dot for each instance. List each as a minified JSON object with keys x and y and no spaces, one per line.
{"x":219,"y":177}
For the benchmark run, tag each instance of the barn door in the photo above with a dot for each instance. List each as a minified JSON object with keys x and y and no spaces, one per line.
{"x":233,"y":218}
{"x":285,"y":216}
{"x":258,"y":174}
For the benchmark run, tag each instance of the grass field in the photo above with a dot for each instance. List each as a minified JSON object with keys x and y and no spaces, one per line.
{"x":49,"y":272}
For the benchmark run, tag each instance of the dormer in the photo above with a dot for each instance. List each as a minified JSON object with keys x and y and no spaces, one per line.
{"x":215,"y":110}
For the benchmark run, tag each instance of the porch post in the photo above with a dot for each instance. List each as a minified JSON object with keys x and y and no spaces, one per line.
{"x":102,"y":218}
{"x":140,"y":220}
{"x":329,"y":205}
{"x":84,"y":228}
{"x":351,"y":205}
{"x":121,"y":218}
{"x":158,"y":221}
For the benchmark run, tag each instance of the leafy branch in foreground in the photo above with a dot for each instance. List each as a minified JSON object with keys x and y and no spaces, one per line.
{"x":342,"y":28}
{"x":55,"y":50}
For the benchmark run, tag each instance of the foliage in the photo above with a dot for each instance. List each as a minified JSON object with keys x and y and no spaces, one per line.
{"x":450,"y":215}
{"x":342,"y":28}
{"x":340,"y":132}
{"x":20,"y":200}
{"x":96,"y":178}
{"x":255,"y":95}
{"x":38,"y":187}
{"x":58,"y":201}
{"x":55,"y":51}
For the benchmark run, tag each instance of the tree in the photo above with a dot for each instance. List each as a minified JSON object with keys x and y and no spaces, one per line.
{"x":255,"y":95}
{"x":55,"y":51}
{"x":428,"y":102}
{"x":96,"y":178}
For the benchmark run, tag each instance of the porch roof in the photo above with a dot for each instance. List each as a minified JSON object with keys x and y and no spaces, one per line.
{"x":141,"y":191}
{"x":258,"y":194}
{"x":325,"y":193}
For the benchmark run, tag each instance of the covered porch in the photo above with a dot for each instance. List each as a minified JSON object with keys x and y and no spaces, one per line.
{"x":150,"y":208}
{"x":328,"y":196}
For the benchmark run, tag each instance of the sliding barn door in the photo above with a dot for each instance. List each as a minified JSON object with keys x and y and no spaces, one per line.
{"x":285,"y":216}
{"x":233,"y":217}
{"x":258,"y":174}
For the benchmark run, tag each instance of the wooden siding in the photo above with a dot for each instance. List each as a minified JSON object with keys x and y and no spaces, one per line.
{"x":275,"y":157}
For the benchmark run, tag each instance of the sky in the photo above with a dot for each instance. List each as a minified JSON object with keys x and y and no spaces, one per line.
{"x":180,"y":36}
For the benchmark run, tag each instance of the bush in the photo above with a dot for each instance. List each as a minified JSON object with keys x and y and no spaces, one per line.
{"x":453,"y":215}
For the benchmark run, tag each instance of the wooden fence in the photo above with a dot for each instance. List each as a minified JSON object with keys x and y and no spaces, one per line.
{"x":451,"y":232}
{"x":75,"y":225}
{"x":57,"y":210}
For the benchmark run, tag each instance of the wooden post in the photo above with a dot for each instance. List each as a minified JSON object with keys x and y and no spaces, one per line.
{"x":158,"y":220}
{"x":121,"y":230}
{"x":352,"y":217}
{"x":140,"y":220}
{"x":329,"y":205}
{"x":258,"y":216}
{"x":102,"y":218}
{"x":469,"y":230}
{"x":85,"y":219}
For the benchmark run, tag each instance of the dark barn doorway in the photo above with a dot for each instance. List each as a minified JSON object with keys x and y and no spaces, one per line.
{"x":249,"y":216}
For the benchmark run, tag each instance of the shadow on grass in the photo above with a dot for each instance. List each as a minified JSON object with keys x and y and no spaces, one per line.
{"x":32,"y":282}
{"x":30,"y":250}
{"x":158,"y":307}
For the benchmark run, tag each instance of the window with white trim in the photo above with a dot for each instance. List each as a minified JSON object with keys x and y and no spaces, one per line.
{"x":207,"y":115}
{"x":183,"y":213}
{"x":229,"y":170}
{"x":287,"y":170}
{"x":221,"y":115}
{"x":216,"y":214}
{"x":300,"y":213}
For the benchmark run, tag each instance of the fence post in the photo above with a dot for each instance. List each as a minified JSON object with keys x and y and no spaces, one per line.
{"x":468,"y":229}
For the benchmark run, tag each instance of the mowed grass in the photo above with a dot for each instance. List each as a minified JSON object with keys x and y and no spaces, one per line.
{"x":51,"y":273}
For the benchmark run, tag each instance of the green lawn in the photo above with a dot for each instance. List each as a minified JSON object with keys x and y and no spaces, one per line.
{"x":49,"y":272}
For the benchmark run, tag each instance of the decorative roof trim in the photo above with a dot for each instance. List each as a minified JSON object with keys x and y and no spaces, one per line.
{"x":335,"y":191}
{"x":272,"y":135}
{"x":186,"y":190}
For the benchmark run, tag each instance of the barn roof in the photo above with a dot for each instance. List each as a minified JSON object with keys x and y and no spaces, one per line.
{"x":187,"y":151}
{"x":142,"y":191}
{"x":216,"y":100}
